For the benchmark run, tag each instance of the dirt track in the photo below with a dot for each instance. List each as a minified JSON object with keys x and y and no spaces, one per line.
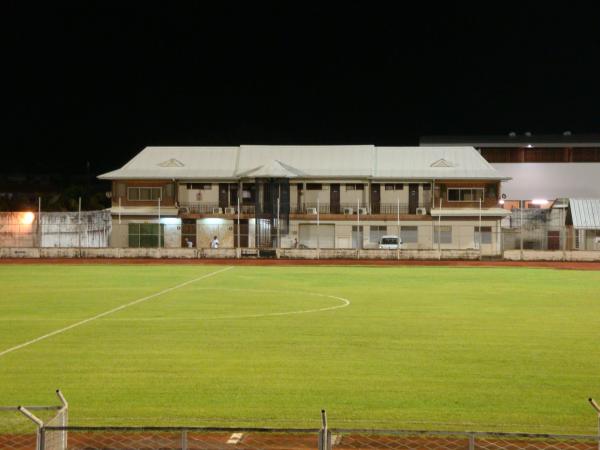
{"x":307,"y":262}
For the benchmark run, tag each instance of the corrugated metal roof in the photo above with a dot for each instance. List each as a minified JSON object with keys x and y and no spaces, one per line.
{"x":195,"y":162}
{"x":432,"y":163}
{"x":585,"y":213}
{"x":314,"y":161}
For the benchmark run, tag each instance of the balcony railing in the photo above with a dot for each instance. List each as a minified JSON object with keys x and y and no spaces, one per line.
{"x":311,"y":208}
{"x":351,"y":208}
{"x":212,"y":208}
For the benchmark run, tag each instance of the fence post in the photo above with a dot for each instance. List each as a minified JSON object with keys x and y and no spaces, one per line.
{"x":184,"y":445}
{"x":471,"y":441}
{"x":597,"y":408}
{"x":324,"y":435}
{"x":40,"y":444}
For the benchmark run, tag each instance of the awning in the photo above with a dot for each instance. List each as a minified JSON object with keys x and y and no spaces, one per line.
{"x":585,"y":213}
{"x":144,"y":211}
{"x":470,"y":212}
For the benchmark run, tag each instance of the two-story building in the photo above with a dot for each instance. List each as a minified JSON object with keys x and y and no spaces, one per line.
{"x":345,"y":196}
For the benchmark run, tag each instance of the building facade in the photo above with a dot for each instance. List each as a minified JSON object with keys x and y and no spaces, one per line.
{"x":307,"y":197}
{"x":542,"y":168}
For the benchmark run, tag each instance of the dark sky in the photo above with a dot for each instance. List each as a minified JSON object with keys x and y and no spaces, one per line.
{"x":99,"y":83}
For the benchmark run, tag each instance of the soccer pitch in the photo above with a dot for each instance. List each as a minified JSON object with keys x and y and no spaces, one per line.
{"x":511,"y":349}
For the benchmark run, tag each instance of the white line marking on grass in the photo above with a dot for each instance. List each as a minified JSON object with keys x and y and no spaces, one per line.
{"x":106,"y":313}
{"x":344,"y":304}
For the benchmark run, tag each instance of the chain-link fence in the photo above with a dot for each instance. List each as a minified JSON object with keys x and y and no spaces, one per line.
{"x":56,"y":434}
{"x":449,"y":440}
{"x":187,"y":438}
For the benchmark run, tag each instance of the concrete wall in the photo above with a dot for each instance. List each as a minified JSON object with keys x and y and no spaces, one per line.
{"x":206,"y":229}
{"x":540,"y":255}
{"x":184,"y":253}
{"x":378,"y":254}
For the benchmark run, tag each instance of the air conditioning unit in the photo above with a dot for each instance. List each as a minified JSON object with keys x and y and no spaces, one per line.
{"x":362,"y":211}
{"x":217,"y":211}
{"x":421,"y":211}
{"x":230,"y":210}
{"x":348,"y":211}
{"x":311,"y":210}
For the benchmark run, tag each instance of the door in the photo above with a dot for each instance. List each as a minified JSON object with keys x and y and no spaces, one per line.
{"x":375,"y":199}
{"x":223,"y":195}
{"x":334,"y":198}
{"x":311,"y":236}
{"x":299,"y":205}
{"x":553,"y":240}
{"x":233,"y":194}
{"x":413,"y":198}
{"x":188,"y":233}
{"x":243,"y":233}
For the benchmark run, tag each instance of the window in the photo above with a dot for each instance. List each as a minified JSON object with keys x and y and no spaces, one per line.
{"x":426,"y":187}
{"x":144,"y":193}
{"x":409,"y":234}
{"x":146,"y":235}
{"x":465,"y":194}
{"x":376,"y":232}
{"x":394,"y":187}
{"x":248,"y":193}
{"x":199,"y":186}
{"x":355,"y":187}
{"x":486,"y":235}
{"x":442,"y":234}
{"x":314,"y":187}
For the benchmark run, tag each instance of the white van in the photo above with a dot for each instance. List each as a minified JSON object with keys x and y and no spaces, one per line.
{"x":390,"y":242}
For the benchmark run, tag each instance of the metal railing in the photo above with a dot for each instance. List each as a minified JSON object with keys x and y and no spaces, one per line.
{"x":351,"y":208}
{"x":213,"y":208}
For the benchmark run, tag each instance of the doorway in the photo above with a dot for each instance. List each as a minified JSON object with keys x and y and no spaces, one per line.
{"x":375,"y":199}
{"x":413,"y":198}
{"x":334,"y":198}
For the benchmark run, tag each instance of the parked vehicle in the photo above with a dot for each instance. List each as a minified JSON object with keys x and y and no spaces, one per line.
{"x":390,"y":242}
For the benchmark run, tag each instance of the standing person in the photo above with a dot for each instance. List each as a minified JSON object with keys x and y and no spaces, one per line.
{"x":214,"y":243}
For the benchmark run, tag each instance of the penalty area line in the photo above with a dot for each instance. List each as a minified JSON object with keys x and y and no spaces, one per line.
{"x":111,"y":311}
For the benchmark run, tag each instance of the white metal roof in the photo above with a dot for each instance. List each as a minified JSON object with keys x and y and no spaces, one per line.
{"x":313,"y":161}
{"x":585,"y":213}
{"x":432,"y":163}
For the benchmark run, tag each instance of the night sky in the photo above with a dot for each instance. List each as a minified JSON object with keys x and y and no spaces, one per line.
{"x":98,"y":83}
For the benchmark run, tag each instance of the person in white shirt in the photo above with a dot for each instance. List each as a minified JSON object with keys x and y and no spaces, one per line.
{"x":214,"y":243}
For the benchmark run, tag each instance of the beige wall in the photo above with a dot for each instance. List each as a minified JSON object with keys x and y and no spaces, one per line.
{"x":206,"y":230}
{"x":463,"y":234}
{"x":191,"y":195}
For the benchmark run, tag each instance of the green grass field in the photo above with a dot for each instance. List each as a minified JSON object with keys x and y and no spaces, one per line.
{"x":510,"y":349}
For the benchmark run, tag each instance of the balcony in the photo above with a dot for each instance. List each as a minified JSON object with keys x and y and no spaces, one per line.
{"x":350,"y":208}
{"x":212,"y":208}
